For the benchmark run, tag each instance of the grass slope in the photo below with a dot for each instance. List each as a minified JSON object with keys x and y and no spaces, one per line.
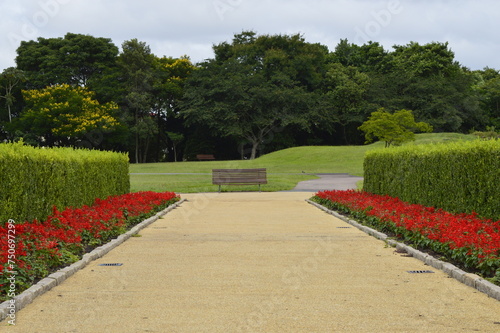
{"x":285,"y":167}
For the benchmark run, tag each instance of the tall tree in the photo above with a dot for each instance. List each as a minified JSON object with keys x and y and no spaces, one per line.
{"x":137,"y":64}
{"x":255,"y":84}
{"x":10,"y":79}
{"x":175,"y":138}
{"x":170,"y":78}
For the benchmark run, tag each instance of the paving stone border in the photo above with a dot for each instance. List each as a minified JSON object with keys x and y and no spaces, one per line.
{"x":469,"y":279}
{"x":54,"y":279}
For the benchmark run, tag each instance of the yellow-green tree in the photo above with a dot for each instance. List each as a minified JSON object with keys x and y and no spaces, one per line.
{"x":63,"y":112}
{"x":171,"y":75}
{"x":393,"y":128}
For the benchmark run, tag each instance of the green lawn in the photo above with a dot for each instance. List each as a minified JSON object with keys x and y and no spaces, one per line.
{"x":195,"y":183}
{"x":285,"y":167}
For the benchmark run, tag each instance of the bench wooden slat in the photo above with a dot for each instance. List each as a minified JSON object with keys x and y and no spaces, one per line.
{"x":239,"y":177}
{"x":205,"y":157}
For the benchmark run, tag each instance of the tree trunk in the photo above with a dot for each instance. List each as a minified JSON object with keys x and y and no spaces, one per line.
{"x":158,"y":139}
{"x":136,"y":139}
{"x":256,"y":140}
{"x":145,"y":158}
{"x":175,"y":152}
{"x":255,"y":146}
{"x":136,"y":148}
{"x":346,"y":140}
{"x":10,"y":114}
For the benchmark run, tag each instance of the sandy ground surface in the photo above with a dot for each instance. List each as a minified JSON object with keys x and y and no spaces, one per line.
{"x":257,"y":262}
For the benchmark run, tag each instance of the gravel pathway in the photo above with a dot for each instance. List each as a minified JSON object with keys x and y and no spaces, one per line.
{"x":329,"y":181}
{"x":256,"y":262}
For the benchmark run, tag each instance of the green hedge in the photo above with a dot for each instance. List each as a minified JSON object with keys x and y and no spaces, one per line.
{"x":459,"y":177}
{"x":33,"y":180}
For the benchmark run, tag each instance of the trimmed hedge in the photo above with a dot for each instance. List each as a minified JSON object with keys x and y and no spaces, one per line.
{"x":460,"y":177}
{"x":33,"y":180}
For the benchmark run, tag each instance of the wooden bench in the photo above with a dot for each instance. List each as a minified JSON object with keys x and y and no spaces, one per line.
{"x":239,"y":177}
{"x":205,"y":157}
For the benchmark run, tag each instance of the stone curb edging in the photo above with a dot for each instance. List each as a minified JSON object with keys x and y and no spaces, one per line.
{"x":469,"y":279}
{"x":54,"y":279}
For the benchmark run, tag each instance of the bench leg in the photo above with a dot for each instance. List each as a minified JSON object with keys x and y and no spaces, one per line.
{"x":219,"y":188}
{"x":259,"y":188}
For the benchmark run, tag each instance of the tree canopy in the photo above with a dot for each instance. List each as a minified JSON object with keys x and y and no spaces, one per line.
{"x":75,"y":59}
{"x":258,"y":93}
{"x":254,"y":85}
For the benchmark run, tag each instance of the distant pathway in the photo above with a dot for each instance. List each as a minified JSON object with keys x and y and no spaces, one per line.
{"x":328,"y":181}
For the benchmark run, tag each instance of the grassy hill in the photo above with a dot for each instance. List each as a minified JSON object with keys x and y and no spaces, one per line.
{"x":285,"y":167}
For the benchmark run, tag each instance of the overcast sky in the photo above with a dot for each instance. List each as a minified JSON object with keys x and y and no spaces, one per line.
{"x":176,"y":28}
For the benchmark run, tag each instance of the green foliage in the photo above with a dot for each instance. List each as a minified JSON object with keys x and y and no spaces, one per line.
{"x":458,"y":177}
{"x":394,"y":128}
{"x":488,"y":86}
{"x":33,"y":180}
{"x":370,"y":57}
{"x":423,"y":78}
{"x":425,"y":60}
{"x":344,"y":97}
{"x":75,"y":59}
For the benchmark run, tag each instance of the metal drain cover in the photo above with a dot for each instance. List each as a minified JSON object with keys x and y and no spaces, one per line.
{"x":343,"y":227}
{"x":115,"y":264}
{"x":420,"y":272}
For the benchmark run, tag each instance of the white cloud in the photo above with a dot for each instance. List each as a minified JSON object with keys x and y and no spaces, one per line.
{"x":174,"y":28}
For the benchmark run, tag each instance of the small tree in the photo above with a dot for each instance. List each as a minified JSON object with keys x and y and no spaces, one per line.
{"x":9,"y":79}
{"x":176,"y":138}
{"x":393,"y":128}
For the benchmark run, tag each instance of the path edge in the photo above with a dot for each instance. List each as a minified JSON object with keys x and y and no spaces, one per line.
{"x":469,"y":279}
{"x":29,"y":295}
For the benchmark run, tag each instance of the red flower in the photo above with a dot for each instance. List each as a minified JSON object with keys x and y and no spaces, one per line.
{"x":64,"y":229}
{"x":467,"y":231}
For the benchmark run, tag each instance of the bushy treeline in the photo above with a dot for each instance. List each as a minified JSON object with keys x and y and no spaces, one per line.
{"x":458,"y":177}
{"x":257,"y":94}
{"x":33,"y":180}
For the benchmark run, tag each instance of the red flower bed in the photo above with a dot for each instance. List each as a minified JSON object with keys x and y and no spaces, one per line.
{"x":31,"y":250}
{"x":462,"y":238}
